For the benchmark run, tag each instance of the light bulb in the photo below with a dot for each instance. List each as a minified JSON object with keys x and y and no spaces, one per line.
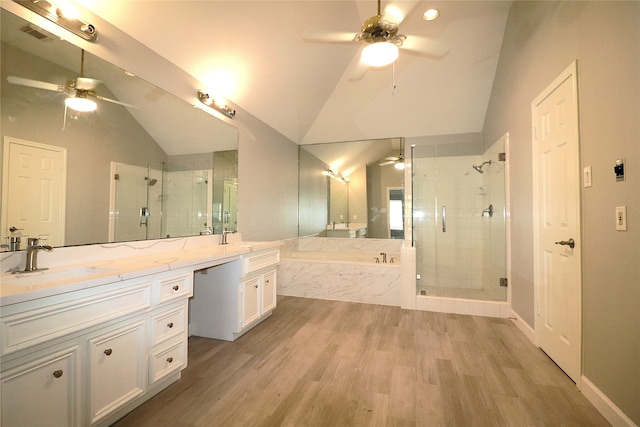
{"x":379,"y":54}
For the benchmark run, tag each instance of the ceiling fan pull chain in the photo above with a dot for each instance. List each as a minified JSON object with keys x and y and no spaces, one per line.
{"x":393,"y":78}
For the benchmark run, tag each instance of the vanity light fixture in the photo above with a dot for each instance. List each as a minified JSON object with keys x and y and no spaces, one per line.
{"x":337,"y":176}
{"x":220,"y":107}
{"x":56,"y":14}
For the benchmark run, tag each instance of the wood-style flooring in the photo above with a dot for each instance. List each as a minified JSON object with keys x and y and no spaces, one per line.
{"x":329,"y":363}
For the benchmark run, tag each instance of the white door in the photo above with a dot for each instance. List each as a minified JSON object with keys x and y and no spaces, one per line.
{"x":34,"y":178}
{"x":557,"y":222}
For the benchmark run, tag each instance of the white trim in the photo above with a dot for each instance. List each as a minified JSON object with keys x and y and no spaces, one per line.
{"x":604,"y":405}
{"x":524,"y":327}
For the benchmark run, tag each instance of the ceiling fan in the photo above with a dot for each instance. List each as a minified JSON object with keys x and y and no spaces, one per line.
{"x":80,"y":90}
{"x":381,"y":38}
{"x":397,"y":161}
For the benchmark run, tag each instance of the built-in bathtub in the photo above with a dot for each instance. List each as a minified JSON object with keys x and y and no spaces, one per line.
{"x":342,"y":269}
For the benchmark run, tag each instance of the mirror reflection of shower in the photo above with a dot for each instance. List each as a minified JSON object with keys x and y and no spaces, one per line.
{"x":479,"y":167}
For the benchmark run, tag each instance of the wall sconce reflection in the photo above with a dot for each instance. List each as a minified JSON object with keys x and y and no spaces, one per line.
{"x":62,"y":16}
{"x":337,"y":176}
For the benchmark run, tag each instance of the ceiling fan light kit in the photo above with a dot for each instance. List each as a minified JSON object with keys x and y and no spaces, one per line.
{"x":379,"y":54}
{"x":82,"y":104}
{"x":56,"y":14}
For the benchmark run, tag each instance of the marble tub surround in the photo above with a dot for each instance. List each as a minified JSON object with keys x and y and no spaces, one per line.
{"x":324,"y":244}
{"x":113,"y":262}
{"x":341,"y":270}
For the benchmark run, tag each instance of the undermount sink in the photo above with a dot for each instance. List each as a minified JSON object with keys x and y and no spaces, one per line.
{"x":39,"y":277}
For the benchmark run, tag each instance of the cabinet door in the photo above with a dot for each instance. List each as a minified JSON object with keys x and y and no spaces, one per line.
{"x":250,"y":300}
{"x":42,"y":393}
{"x":117,"y":369}
{"x":268,"y":291}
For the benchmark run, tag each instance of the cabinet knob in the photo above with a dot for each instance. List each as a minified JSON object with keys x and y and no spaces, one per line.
{"x":170,"y":359}
{"x":266,"y":281}
{"x":176,"y":287}
{"x":255,"y":286}
{"x":58,"y":373}
{"x":108,"y":352}
{"x":170,"y":325}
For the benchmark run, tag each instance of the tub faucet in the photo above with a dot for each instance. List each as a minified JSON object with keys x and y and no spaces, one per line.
{"x":384,"y":257}
{"x":33,"y":246}
{"x":224,"y":236}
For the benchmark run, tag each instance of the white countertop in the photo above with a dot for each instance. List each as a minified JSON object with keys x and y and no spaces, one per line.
{"x":16,"y":288}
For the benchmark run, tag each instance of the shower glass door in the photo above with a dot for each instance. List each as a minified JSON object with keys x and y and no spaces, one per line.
{"x":459,"y":221}
{"x":136,"y":203}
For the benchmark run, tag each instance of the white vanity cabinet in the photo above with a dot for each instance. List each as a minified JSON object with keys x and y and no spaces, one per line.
{"x":43,"y":391}
{"x":87,"y":357}
{"x":225,"y":311}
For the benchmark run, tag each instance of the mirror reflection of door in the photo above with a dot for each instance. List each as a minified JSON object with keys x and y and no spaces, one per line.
{"x":34,"y":194}
{"x":396,"y":209}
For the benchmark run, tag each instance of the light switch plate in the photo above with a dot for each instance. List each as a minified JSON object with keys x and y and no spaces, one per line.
{"x":586,"y":177}
{"x":621,"y":218}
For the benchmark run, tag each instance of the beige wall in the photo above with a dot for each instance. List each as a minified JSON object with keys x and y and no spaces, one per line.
{"x":541,"y":40}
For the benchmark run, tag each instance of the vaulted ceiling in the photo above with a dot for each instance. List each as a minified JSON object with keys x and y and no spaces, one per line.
{"x":253,"y":52}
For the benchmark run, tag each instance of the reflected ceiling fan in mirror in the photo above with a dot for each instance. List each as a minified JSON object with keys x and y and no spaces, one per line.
{"x":397,"y":161}
{"x":381,"y":38}
{"x":80,"y":90}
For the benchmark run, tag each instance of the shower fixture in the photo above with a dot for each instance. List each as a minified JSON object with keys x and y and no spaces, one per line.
{"x":479,"y":167}
{"x":150,"y":181}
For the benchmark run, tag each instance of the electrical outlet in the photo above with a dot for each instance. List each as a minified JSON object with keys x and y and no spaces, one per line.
{"x":621,"y":218}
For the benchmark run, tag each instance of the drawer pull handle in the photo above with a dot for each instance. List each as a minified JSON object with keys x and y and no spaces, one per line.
{"x":108,"y":352}
{"x":170,"y":325}
{"x":58,"y":373}
{"x":176,"y":287}
{"x":170,"y":359}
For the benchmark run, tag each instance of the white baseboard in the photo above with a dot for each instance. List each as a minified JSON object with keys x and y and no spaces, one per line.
{"x":524,"y":327}
{"x":604,"y":405}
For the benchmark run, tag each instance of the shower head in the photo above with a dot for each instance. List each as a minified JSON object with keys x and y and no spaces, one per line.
{"x":150,"y":181}
{"x":479,"y":167}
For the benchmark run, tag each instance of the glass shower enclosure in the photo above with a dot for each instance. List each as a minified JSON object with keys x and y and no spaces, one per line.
{"x":459,"y":220}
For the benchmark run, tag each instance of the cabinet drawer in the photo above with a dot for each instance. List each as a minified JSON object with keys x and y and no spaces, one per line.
{"x":175,"y":287}
{"x":167,"y":360}
{"x":35,"y":326}
{"x":168,"y":324}
{"x":256,"y":262}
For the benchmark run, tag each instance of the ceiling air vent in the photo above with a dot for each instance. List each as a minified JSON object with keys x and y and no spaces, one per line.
{"x":35,"y":32}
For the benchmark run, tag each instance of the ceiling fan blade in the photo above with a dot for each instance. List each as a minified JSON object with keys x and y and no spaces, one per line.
{"x":113,"y":101}
{"x":328,"y":36}
{"x":426,"y":46}
{"x":390,"y":162}
{"x":396,"y":12}
{"x":35,"y":83}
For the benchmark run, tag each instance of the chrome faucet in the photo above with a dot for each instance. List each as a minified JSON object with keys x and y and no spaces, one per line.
{"x":33,"y":246}
{"x":224,"y":236}
{"x":13,"y":243}
{"x":206,"y":231}
{"x":384,"y":256}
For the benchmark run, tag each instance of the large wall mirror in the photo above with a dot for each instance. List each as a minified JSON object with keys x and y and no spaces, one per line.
{"x":352,"y":189}
{"x":144,"y":165}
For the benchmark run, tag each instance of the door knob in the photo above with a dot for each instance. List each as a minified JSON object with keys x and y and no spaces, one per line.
{"x":571,"y":243}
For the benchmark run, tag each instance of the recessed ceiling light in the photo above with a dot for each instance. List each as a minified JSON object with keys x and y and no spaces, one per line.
{"x":431,"y":14}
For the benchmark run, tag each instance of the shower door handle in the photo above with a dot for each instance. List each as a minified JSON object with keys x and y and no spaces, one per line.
{"x":444,"y":219}
{"x":144,"y":216}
